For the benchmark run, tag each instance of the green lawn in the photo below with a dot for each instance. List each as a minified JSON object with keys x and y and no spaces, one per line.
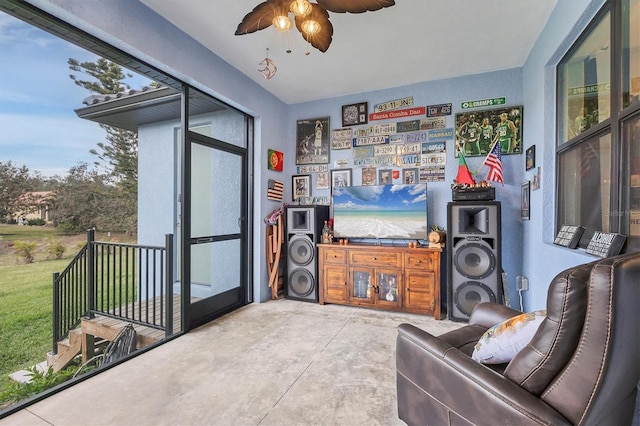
{"x":26,"y":292}
{"x":25,"y":314}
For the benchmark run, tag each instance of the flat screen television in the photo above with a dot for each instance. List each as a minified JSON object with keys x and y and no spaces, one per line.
{"x":383,"y":211}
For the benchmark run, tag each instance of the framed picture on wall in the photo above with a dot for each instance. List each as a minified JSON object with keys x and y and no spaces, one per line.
{"x":530,"y":158}
{"x":312,"y":141}
{"x":410,"y":176}
{"x":476,"y":131}
{"x":301,"y":186}
{"x":368,"y":176}
{"x":524,"y":207}
{"x":355,"y":114}
{"x":385,"y":177}
{"x":340,"y":178}
{"x":322,"y":180}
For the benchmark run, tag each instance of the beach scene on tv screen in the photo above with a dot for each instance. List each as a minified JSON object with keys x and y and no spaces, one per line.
{"x":383,"y":211}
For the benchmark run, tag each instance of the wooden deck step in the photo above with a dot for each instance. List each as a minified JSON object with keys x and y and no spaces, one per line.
{"x":108,"y":328}
{"x":68,"y":349}
{"x":84,"y":339}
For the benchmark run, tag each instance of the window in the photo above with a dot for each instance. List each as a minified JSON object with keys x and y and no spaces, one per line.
{"x":598,"y":139}
{"x":585,"y":185}
{"x":631,"y":132}
{"x":630,"y":52}
{"x":584,"y":82}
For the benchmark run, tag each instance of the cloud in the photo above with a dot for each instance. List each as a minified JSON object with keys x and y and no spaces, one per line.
{"x":365,"y":193}
{"x":15,"y":32}
{"x":48,"y":143}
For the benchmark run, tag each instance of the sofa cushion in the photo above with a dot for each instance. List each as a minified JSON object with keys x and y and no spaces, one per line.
{"x":500,"y":343}
{"x":556,"y":340}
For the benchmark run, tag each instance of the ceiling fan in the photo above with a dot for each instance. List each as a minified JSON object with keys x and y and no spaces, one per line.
{"x":311,"y":19}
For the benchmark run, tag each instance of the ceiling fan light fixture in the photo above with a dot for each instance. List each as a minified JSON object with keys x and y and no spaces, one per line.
{"x":300,"y":8}
{"x":282,"y":22}
{"x":310,"y":27}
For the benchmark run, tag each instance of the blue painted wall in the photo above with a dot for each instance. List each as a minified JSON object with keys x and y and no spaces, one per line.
{"x":542,"y":260}
{"x":506,"y":83}
{"x":527,"y":247}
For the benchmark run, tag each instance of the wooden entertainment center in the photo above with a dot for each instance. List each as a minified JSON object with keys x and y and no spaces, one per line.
{"x":387,"y":277}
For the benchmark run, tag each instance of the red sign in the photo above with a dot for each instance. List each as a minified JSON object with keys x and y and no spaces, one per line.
{"x":400,"y":113}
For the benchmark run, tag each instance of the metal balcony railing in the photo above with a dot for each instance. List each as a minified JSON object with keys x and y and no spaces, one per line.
{"x":129,"y":282}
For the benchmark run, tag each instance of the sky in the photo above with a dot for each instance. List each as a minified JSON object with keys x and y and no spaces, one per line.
{"x":38,"y":126}
{"x":381,"y":197}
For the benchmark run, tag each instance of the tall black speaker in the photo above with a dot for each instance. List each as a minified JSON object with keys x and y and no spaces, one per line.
{"x":474,"y":263}
{"x":304,"y":230}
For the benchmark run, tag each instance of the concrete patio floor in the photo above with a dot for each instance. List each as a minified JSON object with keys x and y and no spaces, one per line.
{"x":281,"y":362}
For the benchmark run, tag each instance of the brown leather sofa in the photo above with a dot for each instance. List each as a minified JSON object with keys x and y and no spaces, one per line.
{"x":581,"y":367}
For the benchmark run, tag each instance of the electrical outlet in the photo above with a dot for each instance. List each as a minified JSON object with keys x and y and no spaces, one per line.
{"x":522,"y":283}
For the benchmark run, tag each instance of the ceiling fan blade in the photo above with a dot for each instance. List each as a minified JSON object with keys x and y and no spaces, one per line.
{"x":261,"y":16}
{"x":355,"y":6}
{"x":321,"y":40}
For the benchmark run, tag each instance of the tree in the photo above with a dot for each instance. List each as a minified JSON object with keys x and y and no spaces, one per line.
{"x":119,"y":154}
{"x":79,"y":199}
{"x":109,"y":76}
{"x":15,"y":182}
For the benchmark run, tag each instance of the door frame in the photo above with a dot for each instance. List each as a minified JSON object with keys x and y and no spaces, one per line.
{"x":196,"y":315}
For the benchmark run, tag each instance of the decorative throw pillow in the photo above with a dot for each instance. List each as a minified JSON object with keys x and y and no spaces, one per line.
{"x":503,"y":341}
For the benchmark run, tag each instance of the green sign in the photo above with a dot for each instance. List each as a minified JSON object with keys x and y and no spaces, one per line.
{"x":592,"y":88}
{"x":483,"y":103}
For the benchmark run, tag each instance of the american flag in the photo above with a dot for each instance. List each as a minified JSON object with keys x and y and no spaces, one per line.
{"x":494,"y":162}
{"x":274,"y":190}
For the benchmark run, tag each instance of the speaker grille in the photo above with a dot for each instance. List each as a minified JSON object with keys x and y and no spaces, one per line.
{"x":301,"y":251}
{"x":301,"y":283}
{"x":474,"y":260}
{"x":471,"y":293}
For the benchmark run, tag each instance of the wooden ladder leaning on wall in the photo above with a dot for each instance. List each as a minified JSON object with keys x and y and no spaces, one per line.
{"x":274,"y":238}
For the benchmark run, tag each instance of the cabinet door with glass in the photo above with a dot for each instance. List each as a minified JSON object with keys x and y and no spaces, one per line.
{"x":375,"y":286}
{"x":386,"y":286}
{"x":362,"y":285}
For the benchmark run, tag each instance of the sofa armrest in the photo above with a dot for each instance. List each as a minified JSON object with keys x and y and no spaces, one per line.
{"x":489,"y":314}
{"x":438,"y":384}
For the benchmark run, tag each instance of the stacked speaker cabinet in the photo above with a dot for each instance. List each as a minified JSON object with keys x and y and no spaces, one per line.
{"x":474,"y":264}
{"x":304,"y":230}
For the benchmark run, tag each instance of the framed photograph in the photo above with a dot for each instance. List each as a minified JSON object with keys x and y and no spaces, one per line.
{"x":368,"y":176}
{"x":535,"y":183}
{"x":524,"y":207}
{"x":385,"y":177}
{"x":355,"y":114}
{"x":322,"y":180}
{"x":530,"y":157}
{"x":301,"y":186}
{"x":477,"y":130}
{"x":340,"y":178}
{"x":410,"y":176}
{"x":312,"y":141}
